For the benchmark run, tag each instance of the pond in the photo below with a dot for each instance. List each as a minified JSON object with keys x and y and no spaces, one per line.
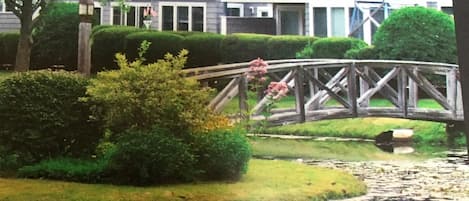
{"x":426,"y":173}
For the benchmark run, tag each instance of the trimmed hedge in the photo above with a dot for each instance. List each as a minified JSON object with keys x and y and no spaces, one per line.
{"x":56,"y":39}
{"x":8,"y":46}
{"x":335,"y":47}
{"x":203,"y":49}
{"x":285,"y":47}
{"x":363,"y":53}
{"x":106,"y":42}
{"x":42,"y":116}
{"x":161,"y":43}
{"x":244,"y":47}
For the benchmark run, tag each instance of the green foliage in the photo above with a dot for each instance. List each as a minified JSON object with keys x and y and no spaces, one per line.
{"x":417,"y":33}
{"x":244,"y":47}
{"x":67,"y":169}
{"x":150,"y":157}
{"x":8,"y":46}
{"x":106,"y":42}
{"x":204,"y":49}
{"x":141,"y":96}
{"x":363,"y":53}
{"x":222,"y":154}
{"x":285,"y":47}
{"x":163,"y":42}
{"x":331,"y":48}
{"x":42,"y":116}
{"x":56,"y":39}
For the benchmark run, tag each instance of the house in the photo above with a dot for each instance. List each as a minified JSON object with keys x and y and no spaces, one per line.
{"x":358,"y":18}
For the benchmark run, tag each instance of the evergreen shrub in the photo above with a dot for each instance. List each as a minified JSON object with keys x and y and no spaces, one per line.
{"x":285,"y":47}
{"x":42,"y":116}
{"x":244,"y":47}
{"x":417,"y":34}
{"x":162,"y":43}
{"x":331,"y":48}
{"x":8,"y":46}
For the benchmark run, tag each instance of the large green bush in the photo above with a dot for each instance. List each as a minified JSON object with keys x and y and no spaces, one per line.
{"x":149,"y":157}
{"x":222,"y":154}
{"x":68,"y":169}
{"x":41,"y":115}
{"x":285,"y":47}
{"x":204,"y":49}
{"x":141,"y":96}
{"x":331,"y":48}
{"x":244,"y":47}
{"x":8,"y":46}
{"x":162,"y":43}
{"x":417,"y":33}
{"x":106,"y":42}
{"x":56,"y":39}
{"x":363,"y":53}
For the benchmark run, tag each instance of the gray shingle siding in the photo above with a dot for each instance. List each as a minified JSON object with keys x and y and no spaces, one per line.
{"x":9,"y":22}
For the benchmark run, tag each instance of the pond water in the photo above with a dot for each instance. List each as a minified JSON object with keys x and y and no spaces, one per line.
{"x":404,"y":172}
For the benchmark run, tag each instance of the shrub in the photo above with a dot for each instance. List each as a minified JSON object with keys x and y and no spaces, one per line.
{"x":285,"y":47}
{"x":8,"y":46}
{"x":417,"y":33}
{"x":334,"y":47}
{"x":56,"y":39}
{"x":150,"y":157}
{"x":106,"y":42}
{"x":42,"y":115}
{"x":67,"y":169}
{"x":363,"y":53}
{"x":141,"y":96}
{"x":204,"y":49}
{"x":244,"y":47}
{"x":162,"y":43}
{"x":222,"y":154}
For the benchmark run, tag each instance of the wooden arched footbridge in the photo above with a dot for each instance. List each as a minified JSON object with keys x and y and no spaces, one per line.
{"x":351,"y":83}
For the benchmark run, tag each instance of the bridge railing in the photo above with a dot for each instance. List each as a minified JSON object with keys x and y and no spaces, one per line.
{"x":351,"y":83}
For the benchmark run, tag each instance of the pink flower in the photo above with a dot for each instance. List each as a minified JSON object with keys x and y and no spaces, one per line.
{"x":257,"y":70}
{"x":277,"y":90}
{"x":148,"y":12}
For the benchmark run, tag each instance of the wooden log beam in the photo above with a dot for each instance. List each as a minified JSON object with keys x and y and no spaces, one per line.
{"x":364,"y":86}
{"x":352,"y":90}
{"x":427,"y":86}
{"x":379,"y":85}
{"x":327,"y":89}
{"x":261,"y":104}
{"x":226,"y":94}
{"x":387,"y":91}
{"x":300,"y":94}
{"x":332,"y":82}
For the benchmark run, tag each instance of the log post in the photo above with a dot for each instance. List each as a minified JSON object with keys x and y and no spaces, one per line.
{"x":402,"y":87}
{"x":451,"y":90}
{"x":413,"y":92}
{"x":300,"y":94}
{"x":313,"y":89}
{"x":243,"y":95}
{"x":352,"y":90}
{"x":364,"y":86}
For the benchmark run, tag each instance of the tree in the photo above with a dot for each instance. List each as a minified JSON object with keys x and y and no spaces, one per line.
{"x":24,"y":10}
{"x":462,"y":33}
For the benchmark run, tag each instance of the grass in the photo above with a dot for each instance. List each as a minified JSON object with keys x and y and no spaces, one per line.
{"x":368,"y":128}
{"x":5,"y":74}
{"x":347,"y":151}
{"x":265,"y":180}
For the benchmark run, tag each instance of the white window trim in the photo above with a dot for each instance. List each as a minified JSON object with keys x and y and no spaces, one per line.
{"x":98,"y":5}
{"x":175,"y":5}
{"x":3,"y":10}
{"x":267,"y":9}
{"x":137,"y":6}
{"x":301,"y":19}
{"x":239,"y":6}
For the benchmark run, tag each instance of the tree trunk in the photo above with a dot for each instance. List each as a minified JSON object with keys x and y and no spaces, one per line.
{"x":25,"y":42}
{"x":461,"y":17}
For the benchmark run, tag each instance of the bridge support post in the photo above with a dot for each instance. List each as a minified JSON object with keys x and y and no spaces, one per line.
{"x":451,"y":90}
{"x":454,"y":129}
{"x":402,"y":89}
{"x":243,"y":95}
{"x":300,"y":94}
{"x":352,"y":89}
{"x":462,"y":40}
{"x":313,"y":89}
{"x":364,"y":86}
{"x":413,"y":92}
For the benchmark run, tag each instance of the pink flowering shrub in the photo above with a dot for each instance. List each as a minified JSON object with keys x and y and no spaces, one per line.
{"x":277,"y":90}
{"x":257,"y":70}
{"x":148,"y":13}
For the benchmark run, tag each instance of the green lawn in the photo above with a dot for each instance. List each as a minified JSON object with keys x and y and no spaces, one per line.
{"x":5,"y":74}
{"x":368,"y":128}
{"x":289,"y":102}
{"x":265,"y":180}
{"x":347,"y":151}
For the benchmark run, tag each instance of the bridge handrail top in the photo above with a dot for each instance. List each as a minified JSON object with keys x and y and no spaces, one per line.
{"x":230,"y":70}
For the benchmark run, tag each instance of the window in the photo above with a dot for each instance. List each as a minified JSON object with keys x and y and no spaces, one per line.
{"x":432,"y":4}
{"x":356,"y":18}
{"x":320,"y":22}
{"x":264,"y":11}
{"x":338,"y":21}
{"x":131,"y":16}
{"x":182,"y":16}
{"x":379,"y":17}
{"x":97,"y":15}
{"x":116,"y":15}
{"x":234,"y":9}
